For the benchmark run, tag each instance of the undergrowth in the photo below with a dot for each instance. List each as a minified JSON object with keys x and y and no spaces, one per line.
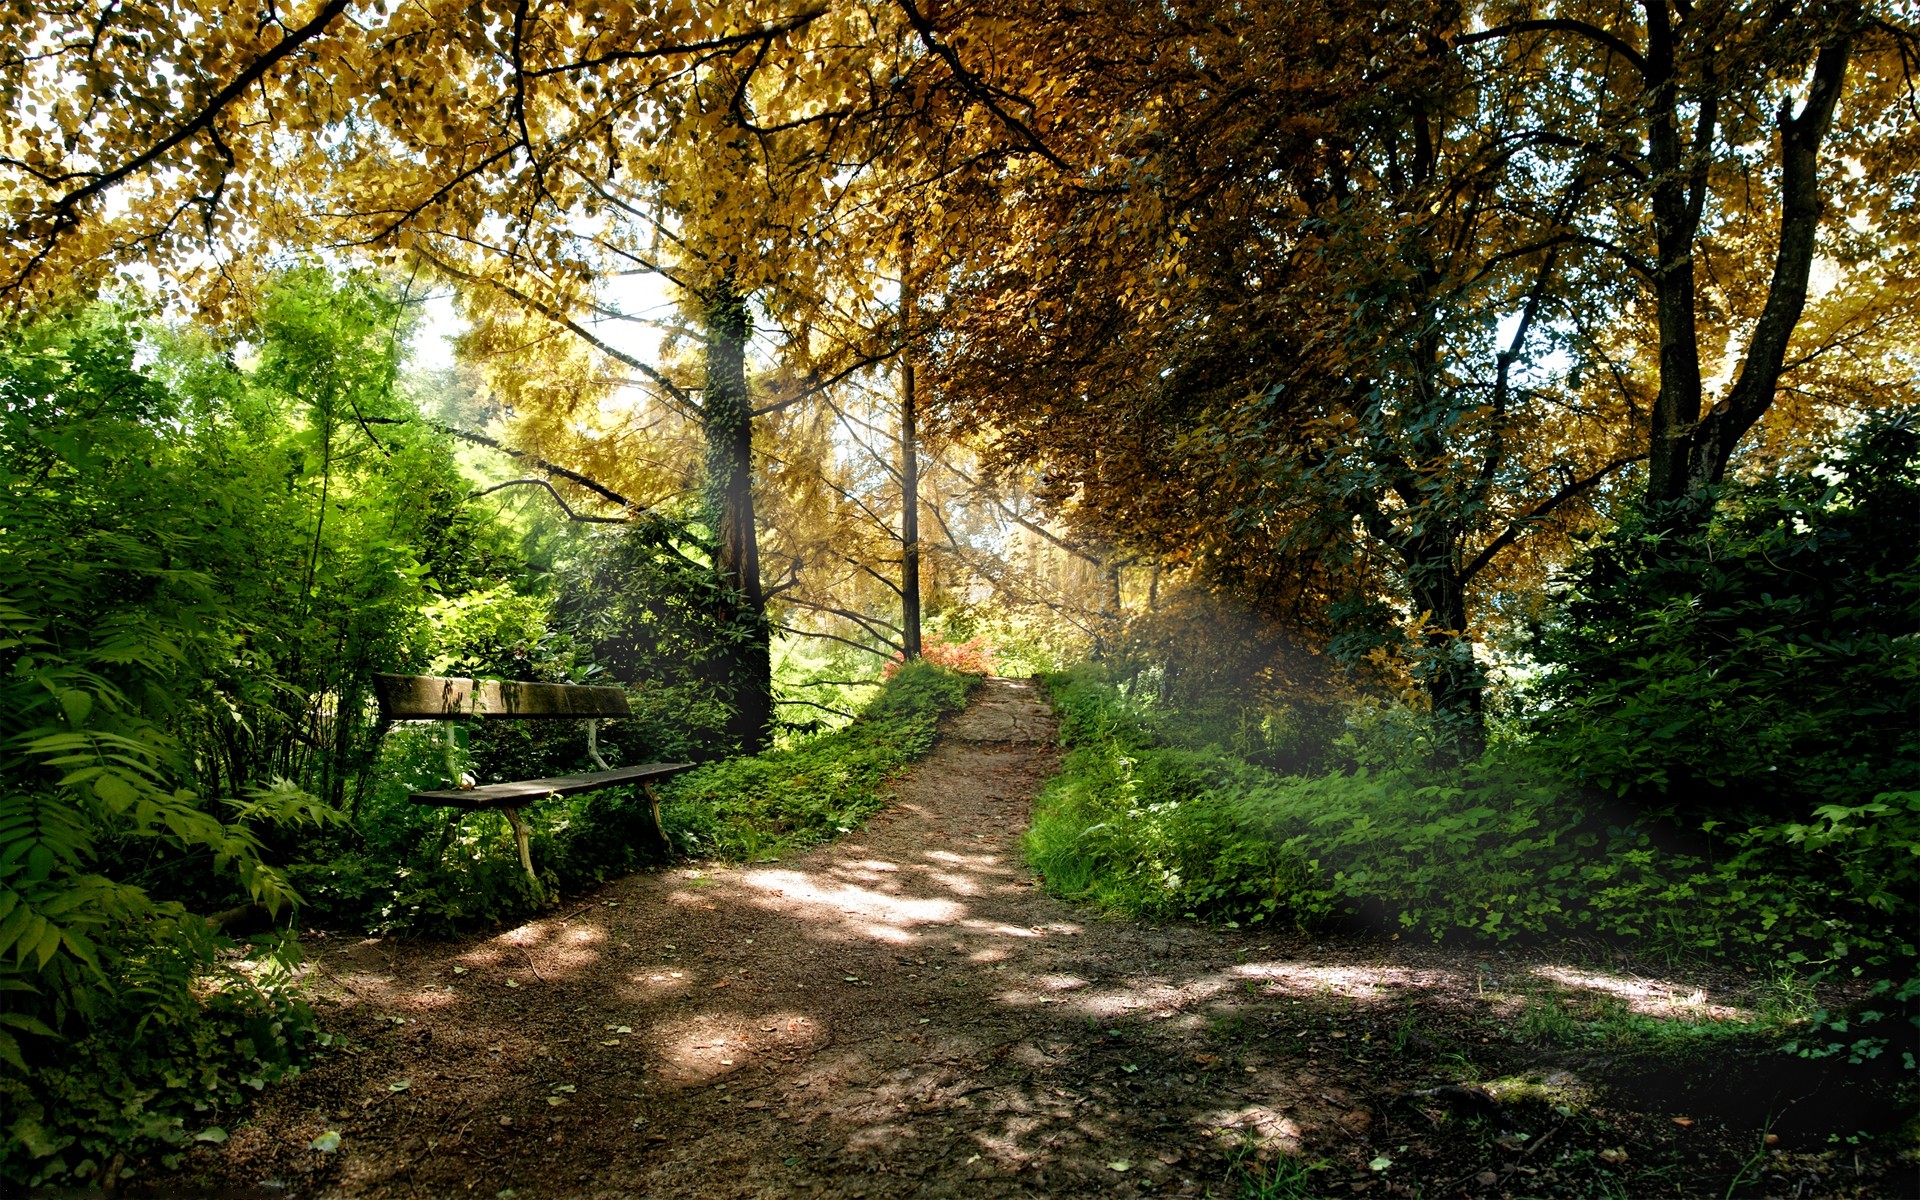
{"x":440,"y":870}
{"x":786,"y":799}
{"x":1501,"y":848}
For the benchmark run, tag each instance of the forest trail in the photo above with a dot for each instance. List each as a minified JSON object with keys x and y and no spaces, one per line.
{"x":901,"y":1013}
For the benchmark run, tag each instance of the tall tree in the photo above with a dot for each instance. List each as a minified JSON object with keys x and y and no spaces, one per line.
{"x":1345,"y":303}
{"x":1733,"y":137}
{"x":909,"y":462}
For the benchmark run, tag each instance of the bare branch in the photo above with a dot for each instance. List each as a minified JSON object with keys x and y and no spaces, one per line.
{"x":1592,"y":33}
{"x":557,"y":499}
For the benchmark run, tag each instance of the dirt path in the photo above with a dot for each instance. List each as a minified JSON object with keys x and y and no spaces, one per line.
{"x":902,"y":1013}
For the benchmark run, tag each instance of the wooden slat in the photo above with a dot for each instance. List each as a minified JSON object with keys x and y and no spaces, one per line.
{"x":513,"y":795}
{"x":434,"y":698}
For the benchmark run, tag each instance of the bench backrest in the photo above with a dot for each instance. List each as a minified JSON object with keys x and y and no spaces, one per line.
{"x":434,"y":698}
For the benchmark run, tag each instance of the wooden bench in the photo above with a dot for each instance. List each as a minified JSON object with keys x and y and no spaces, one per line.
{"x":434,"y":698}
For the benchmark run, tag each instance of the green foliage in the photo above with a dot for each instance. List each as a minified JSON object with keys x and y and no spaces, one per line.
{"x":1501,"y":848}
{"x":1767,"y":662}
{"x":167,"y":1057}
{"x":648,"y":603}
{"x":211,"y":542}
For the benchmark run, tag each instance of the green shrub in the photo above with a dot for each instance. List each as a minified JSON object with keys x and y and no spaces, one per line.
{"x":111,"y":621}
{"x":1765,"y":663}
{"x":1501,"y":848}
{"x":167,"y":1057}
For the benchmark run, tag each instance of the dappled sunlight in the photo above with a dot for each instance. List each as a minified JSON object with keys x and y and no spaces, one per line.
{"x":1370,"y":984}
{"x":1647,"y":997}
{"x":430,"y":996}
{"x":876,"y":914}
{"x":1261,"y":1126}
{"x":717,"y":1045}
{"x":656,"y":984}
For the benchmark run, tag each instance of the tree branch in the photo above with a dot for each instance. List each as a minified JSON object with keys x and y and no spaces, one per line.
{"x":1517,"y":529}
{"x":557,"y":499}
{"x":1592,"y":33}
{"x":834,"y":637}
{"x":203,"y":119}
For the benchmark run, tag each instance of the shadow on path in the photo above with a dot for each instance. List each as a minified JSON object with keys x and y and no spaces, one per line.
{"x":902,"y":1013}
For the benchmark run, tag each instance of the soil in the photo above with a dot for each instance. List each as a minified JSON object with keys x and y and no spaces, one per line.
{"x":906,"y":1013}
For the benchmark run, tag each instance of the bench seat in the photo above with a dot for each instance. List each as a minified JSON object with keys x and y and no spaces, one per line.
{"x":444,"y":699}
{"x":517,"y":793}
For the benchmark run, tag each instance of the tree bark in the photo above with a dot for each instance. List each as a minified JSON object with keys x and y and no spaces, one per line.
{"x":1455,"y":684}
{"x":1801,"y":208}
{"x":1676,"y":410}
{"x":909,"y":464}
{"x":1688,"y":449}
{"x":727,"y":419}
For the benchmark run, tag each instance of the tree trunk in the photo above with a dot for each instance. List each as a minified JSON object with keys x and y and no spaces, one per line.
{"x":1676,"y":219}
{"x":909,"y":465}
{"x":727,"y":419}
{"x":1445,"y":665}
{"x":1688,"y":448}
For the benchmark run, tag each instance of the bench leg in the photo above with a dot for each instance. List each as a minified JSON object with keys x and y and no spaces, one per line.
{"x":653,"y":804}
{"x":526,"y":850}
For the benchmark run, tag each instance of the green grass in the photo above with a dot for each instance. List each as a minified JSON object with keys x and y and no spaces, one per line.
{"x":760,"y":807}
{"x":1504,"y":847}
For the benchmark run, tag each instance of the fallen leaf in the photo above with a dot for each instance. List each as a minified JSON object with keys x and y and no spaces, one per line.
{"x":611,"y":1042}
{"x":1380,"y":1164}
{"x":1130,"y":1068}
{"x":1683,"y":1122}
{"x":513,"y":983}
{"x":459,"y":970}
{"x":1614,"y":1154}
{"x":624,"y":1029}
{"x":212,"y":1133}
{"x":1120,"y":1164}
{"x":327,"y":1142}
{"x":399,"y":1085}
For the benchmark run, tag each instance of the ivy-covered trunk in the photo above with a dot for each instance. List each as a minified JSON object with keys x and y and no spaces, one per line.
{"x":727,"y":416}
{"x":1444,"y":662}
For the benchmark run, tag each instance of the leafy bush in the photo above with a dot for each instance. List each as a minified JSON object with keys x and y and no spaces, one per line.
{"x":972,"y":657}
{"x":185,"y":1037}
{"x":1764,"y":663}
{"x":1501,"y":848}
{"x":110,"y":621}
